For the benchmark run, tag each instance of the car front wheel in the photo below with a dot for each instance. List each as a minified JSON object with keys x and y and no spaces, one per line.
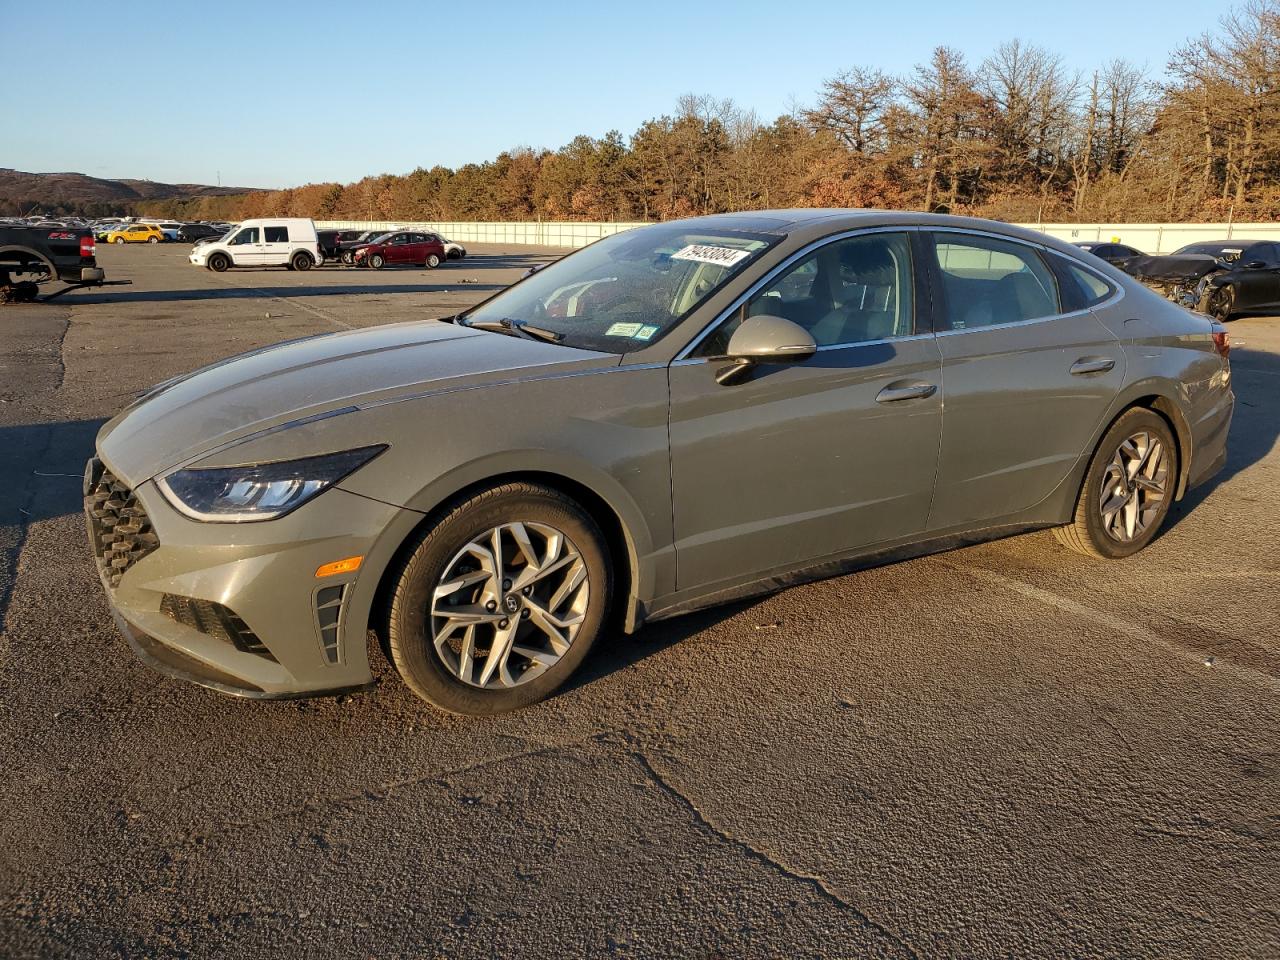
{"x":1127,"y":490}
{"x":219,"y":262}
{"x":376,"y":261}
{"x":499,"y":602}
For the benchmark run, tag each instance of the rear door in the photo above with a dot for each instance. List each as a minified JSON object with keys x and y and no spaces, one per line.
{"x":1027,"y":381}
{"x":812,"y":460}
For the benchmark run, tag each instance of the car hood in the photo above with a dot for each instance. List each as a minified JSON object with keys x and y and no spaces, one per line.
{"x":186,"y":418}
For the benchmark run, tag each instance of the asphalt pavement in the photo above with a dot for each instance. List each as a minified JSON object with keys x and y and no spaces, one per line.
{"x":1003,"y":750}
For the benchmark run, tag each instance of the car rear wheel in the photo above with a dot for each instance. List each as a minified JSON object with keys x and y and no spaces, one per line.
{"x":432,"y":262}
{"x":1128,"y":489}
{"x":219,"y":262}
{"x":376,"y":261}
{"x":153,"y":239}
{"x":498,"y":603}
{"x":346,"y":257}
{"x":300,"y":261}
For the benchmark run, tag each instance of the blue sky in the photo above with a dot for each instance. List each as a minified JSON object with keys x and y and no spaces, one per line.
{"x":274,"y":94}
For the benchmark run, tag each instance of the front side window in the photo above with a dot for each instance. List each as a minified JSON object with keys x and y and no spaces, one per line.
{"x":850,"y":291}
{"x":276,"y":234}
{"x":988,"y":282}
{"x":626,"y":291}
{"x":247,"y":235}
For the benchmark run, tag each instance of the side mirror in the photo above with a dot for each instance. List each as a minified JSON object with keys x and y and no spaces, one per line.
{"x":765,"y":339}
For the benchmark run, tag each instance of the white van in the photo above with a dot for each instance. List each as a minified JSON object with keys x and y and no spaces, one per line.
{"x":270,"y":242}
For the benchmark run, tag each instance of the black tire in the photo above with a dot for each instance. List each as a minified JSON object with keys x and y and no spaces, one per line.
{"x":153,"y":239}
{"x":432,"y":262}
{"x":347,"y":258}
{"x":455,"y":254}
{"x":219,"y":262}
{"x":301,"y":261}
{"x":1222,"y":304}
{"x":376,"y":261}
{"x":118,"y":240}
{"x":409,"y":627}
{"x":1086,"y":533}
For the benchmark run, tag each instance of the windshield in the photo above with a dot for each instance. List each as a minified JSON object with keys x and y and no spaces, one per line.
{"x":626,"y":291}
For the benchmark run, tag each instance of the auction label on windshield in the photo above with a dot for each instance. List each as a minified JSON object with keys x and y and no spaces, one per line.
{"x":706,"y":253}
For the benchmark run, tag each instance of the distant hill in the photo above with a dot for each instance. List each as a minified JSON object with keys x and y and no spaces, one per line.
{"x":71,"y":193}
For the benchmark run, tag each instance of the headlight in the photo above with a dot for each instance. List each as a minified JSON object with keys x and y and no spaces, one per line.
{"x":259,"y":491}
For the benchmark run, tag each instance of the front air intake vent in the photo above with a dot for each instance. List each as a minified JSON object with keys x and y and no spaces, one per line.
{"x":328,"y":617}
{"x":214,"y":620}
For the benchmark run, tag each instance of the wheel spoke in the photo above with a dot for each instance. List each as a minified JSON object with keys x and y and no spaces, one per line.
{"x":499,"y":653}
{"x":451,"y":587}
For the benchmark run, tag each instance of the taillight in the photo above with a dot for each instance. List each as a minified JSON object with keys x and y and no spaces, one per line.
{"x":87,"y":246}
{"x":1221,"y":340}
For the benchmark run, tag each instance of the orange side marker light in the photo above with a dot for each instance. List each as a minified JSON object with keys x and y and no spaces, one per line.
{"x":349,"y":565}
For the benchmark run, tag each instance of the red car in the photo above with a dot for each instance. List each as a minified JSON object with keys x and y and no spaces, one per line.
{"x":404,"y":247}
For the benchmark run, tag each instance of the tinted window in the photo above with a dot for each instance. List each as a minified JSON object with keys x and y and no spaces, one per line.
{"x":276,"y":234}
{"x":850,"y":291}
{"x":987,"y":282}
{"x":1266,"y":252}
{"x":1123,"y":251}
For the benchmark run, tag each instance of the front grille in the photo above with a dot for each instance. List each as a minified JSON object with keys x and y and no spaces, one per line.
{"x":119,"y":529}
{"x":216,"y":621}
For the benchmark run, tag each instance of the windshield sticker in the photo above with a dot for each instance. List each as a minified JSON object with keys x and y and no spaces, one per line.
{"x":706,"y":253}
{"x":645,"y":333}
{"x":623,"y":330}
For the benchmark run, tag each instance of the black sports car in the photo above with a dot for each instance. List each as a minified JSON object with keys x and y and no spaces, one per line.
{"x":1223,"y":278}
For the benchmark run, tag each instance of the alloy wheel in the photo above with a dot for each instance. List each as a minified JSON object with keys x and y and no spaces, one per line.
{"x":509,"y":605}
{"x":1134,"y":487}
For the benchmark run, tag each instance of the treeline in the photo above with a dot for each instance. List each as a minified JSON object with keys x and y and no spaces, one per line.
{"x":1017,"y":136}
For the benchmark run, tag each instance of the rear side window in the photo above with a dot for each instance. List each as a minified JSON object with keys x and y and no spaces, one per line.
{"x":989,"y":282}
{"x":276,"y":234}
{"x":1081,"y":288}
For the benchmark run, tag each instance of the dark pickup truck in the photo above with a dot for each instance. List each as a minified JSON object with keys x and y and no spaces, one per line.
{"x":30,"y":256}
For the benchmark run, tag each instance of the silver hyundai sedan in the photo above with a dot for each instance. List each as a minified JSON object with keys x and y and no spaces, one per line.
{"x":673,"y":417}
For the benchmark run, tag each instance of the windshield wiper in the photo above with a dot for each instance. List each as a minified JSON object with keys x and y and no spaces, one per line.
{"x":517,"y":328}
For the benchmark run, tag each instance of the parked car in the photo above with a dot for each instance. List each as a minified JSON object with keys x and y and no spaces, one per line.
{"x":675,"y":416}
{"x":170,"y":230}
{"x":135,"y":233}
{"x":1114,"y":253}
{"x":30,"y":256}
{"x":270,"y":242}
{"x":191,"y":232}
{"x":347,"y":248}
{"x":331,"y":241}
{"x":401,"y":247}
{"x":1222,"y":278}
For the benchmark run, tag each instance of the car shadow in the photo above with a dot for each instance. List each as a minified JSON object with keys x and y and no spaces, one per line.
{"x":253,"y":293}
{"x":41,"y":475}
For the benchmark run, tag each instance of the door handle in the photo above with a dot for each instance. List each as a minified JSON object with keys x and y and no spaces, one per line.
{"x":1092,"y":365}
{"x":905,"y":390}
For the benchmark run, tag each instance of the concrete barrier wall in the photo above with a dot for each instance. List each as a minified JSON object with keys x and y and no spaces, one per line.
{"x":1147,"y":237}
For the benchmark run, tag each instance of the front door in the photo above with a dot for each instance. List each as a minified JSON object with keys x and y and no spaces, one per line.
{"x":810,"y":460}
{"x":1027,"y":384}
{"x":246,"y":247}
{"x":1257,"y":277}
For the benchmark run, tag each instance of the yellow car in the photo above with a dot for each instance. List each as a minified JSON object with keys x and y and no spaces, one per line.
{"x":136,"y":233}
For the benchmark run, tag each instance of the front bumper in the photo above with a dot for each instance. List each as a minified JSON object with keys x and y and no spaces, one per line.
{"x":309,"y":634}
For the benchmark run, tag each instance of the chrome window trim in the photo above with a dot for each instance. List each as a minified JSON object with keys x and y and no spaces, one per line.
{"x":1115,"y":298}
{"x":804,"y":251}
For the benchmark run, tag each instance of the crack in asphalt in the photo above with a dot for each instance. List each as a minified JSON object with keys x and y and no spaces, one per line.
{"x":380,"y":791}
{"x":817,"y":883}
